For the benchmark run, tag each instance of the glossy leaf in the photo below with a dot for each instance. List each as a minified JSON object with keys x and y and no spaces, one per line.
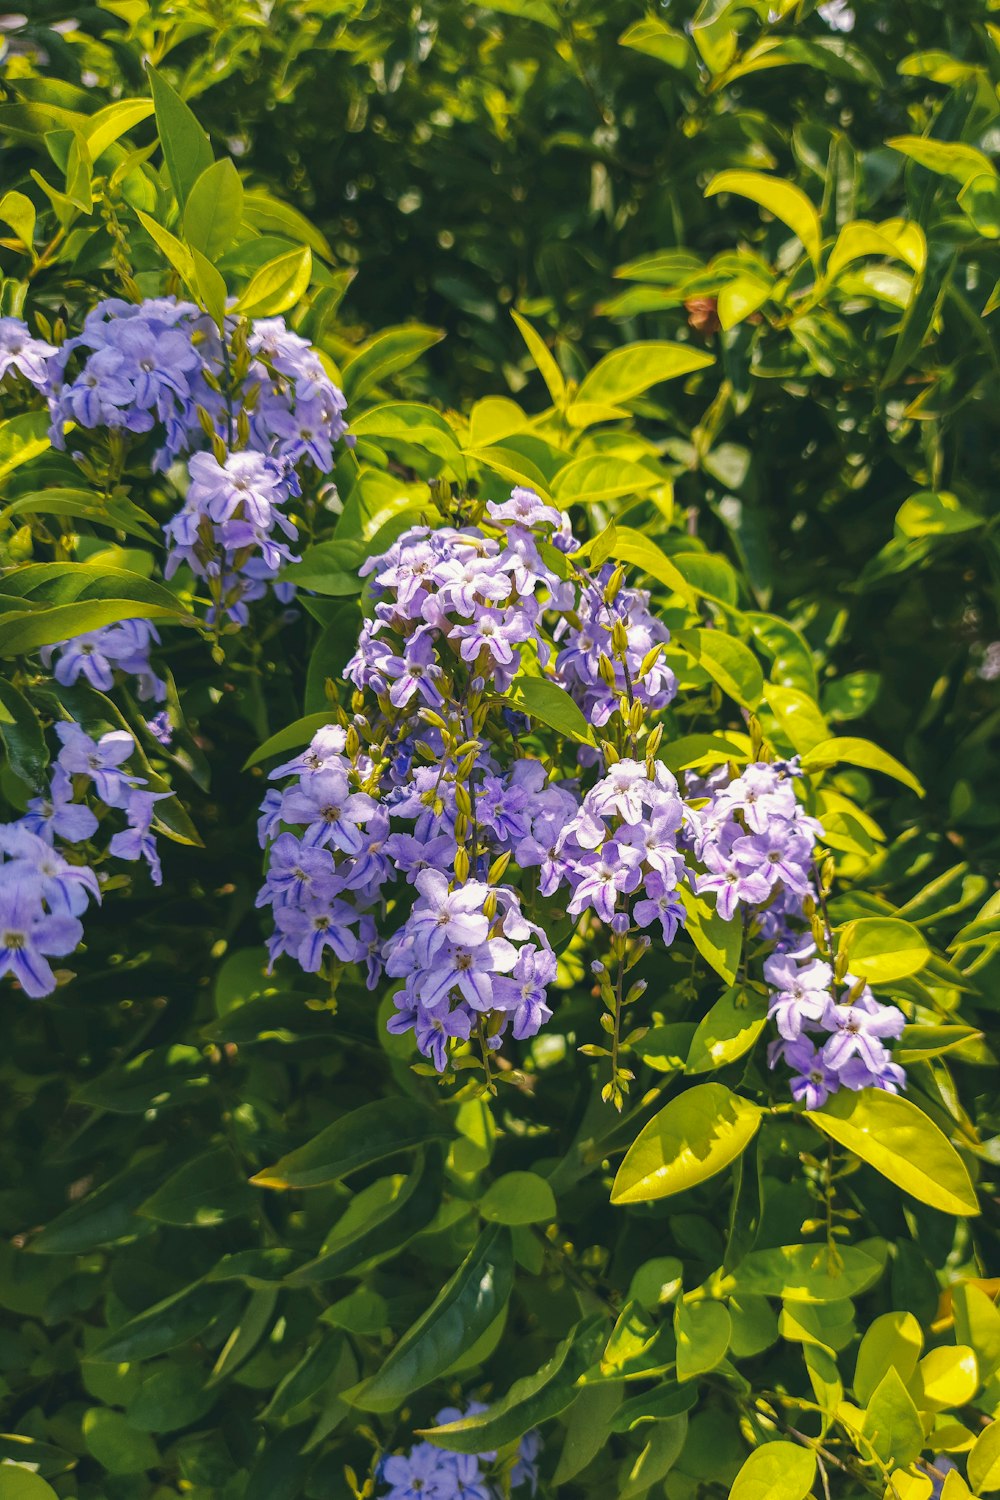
{"x":893,"y":1135}
{"x":463,"y":1310}
{"x":776,"y":1471}
{"x":367,"y":1135}
{"x":694,"y":1136}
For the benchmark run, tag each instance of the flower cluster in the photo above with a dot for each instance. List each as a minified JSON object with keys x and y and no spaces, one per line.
{"x":326,"y":866}
{"x":623,"y":841}
{"x":257,"y":396}
{"x":479,"y":597}
{"x":589,"y":667}
{"x":469,"y":957}
{"x":831,"y":1034}
{"x":226,"y":530}
{"x":429,"y":1473}
{"x":43,"y":893}
{"x":756,"y":843}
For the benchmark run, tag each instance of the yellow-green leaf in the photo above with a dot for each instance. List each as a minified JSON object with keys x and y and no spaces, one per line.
{"x":777,"y":1471}
{"x":984,"y":1460}
{"x":782,"y":199}
{"x":856,"y":752}
{"x":693,"y":1137}
{"x":895,"y":1137}
{"x":884,"y":949}
{"x":626,"y":373}
{"x":277,"y":286}
{"x":727,"y":661}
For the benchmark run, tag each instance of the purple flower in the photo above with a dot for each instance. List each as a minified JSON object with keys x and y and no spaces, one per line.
{"x":332,"y":812}
{"x":524,"y":992}
{"x":814,"y":1079}
{"x":29,"y":936}
{"x":857,"y":1031}
{"x":137,"y":841}
{"x":524,"y":508}
{"x":99,"y":759}
{"x":307,"y":931}
{"x":443,"y":916}
{"x":603,"y":876}
{"x":661,"y":903}
{"x":19,"y":351}
{"x":57,"y":813}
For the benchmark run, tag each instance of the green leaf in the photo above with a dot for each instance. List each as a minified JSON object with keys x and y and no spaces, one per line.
{"x":530,"y":1401}
{"x":551,"y":704}
{"x":893,"y":1342}
{"x":883,"y":949}
{"x":782,"y":199}
{"x":170,"y":1396}
{"x":186,"y":148}
{"x":587,"y":480}
{"x":166,"y":1325}
{"x":312,"y":1372}
{"x":892,"y":1423}
{"x":661,"y":1451}
{"x":116,"y":1444}
{"x":23,"y":740}
{"x":703,"y":1331}
{"x":421,"y":426}
{"x":107,"y":1216}
{"x":160,"y":1078}
{"x":395,"y":1221}
{"x":980,"y":200}
{"x":588,"y":1428}
{"x":895,"y":1137}
{"x":291,"y":737}
{"x":109,"y":124}
{"x":23,"y":632}
{"x":776,"y":1471}
{"x":544,"y":362}
{"x":935,"y":513}
{"x":518,"y":1198}
{"x":176,"y":252}
{"x":204,"y":1192}
{"x":626,"y":373}
{"x":214,"y":209}
{"x":22,"y":1484}
{"x":464,"y":1309}
{"x":694,"y":1136}
{"x":389,"y":351}
{"x":799,"y":716}
{"x":267,"y":214}
{"x":855,"y":752}
{"x":811,"y":1273}
{"x":17,"y":210}
{"x":984,"y":1460}
{"x":719,"y":942}
{"x":118,"y":513}
{"x":727,"y":661}
{"x":632,"y":547}
{"x":727,"y":1031}
{"x":278,"y":285}
{"x":365,"y":1136}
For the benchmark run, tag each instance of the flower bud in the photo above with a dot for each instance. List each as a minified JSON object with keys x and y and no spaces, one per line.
{"x":498,"y":868}
{"x":613,"y":585}
{"x":606,"y":667}
{"x":462,"y":799}
{"x":461,"y":865}
{"x":619,"y":638}
{"x":650,"y":659}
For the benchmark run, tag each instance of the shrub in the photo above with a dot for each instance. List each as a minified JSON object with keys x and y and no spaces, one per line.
{"x":495,"y":1005}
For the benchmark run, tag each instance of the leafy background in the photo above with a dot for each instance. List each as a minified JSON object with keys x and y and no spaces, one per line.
{"x":835,"y":460}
